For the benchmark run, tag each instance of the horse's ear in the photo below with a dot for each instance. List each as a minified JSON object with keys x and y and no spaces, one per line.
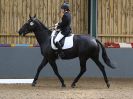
{"x":29,"y":16}
{"x":35,"y":16}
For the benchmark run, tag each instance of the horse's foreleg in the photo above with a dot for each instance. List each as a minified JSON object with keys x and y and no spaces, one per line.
{"x":82,"y":71}
{"x":101,"y":67}
{"x":43,"y":64}
{"x":55,"y":69}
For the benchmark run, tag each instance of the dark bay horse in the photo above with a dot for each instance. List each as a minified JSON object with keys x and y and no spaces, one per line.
{"x":84,"y":47}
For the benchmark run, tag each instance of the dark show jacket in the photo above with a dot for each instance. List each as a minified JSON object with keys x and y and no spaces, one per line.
{"x":64,"y":26}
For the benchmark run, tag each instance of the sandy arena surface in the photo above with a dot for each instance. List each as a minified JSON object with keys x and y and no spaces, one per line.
{"x":87,"y":88}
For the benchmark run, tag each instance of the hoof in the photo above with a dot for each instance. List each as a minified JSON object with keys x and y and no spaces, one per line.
{"x":73,"y":85}
{"x":63,"y":86}
{"x":108,"y":85}
{"x":33,"y":84}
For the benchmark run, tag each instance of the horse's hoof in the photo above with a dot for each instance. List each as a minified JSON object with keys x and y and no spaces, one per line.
{"x":73,"y":85}
{"x":33,"y":84}
{"x":63,"y":86}
{"x":108,"y":85}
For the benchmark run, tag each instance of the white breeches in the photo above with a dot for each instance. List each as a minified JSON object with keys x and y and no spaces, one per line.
{"x":53,"y":33}
{"x":58,"y":37}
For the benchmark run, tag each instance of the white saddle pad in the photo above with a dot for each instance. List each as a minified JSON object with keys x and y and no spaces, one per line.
{"x":68,"y":43}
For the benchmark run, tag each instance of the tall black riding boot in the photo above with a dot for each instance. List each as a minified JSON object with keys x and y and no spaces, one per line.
{"x":60,"y":52}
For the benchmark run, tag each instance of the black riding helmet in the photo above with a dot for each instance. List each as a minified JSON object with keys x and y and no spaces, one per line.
{"x":65,"y":6}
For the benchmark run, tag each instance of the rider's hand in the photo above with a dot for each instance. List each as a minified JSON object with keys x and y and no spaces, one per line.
{"x":56,"y":25}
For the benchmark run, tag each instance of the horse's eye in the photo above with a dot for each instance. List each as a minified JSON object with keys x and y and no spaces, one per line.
{"x":31,"y":23}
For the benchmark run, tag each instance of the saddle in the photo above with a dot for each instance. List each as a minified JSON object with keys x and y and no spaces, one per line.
{"x":66,"y":42}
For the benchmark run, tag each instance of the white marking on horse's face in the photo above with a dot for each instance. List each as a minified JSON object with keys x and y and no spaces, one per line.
{"x":94,"y":41}
{"x":31,"y":23}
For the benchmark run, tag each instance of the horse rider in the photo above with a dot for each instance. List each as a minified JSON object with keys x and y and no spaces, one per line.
{"x":63,"y":26}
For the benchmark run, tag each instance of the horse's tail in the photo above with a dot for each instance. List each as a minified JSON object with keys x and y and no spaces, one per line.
{"x":105,"y":56}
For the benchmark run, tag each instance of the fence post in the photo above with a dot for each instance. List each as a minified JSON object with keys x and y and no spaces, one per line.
{"x":93,"y":18}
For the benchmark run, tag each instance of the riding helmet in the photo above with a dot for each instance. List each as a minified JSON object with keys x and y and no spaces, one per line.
{"x":65,"y":6}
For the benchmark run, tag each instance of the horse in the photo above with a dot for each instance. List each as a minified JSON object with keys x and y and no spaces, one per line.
{"x":84,"y":47}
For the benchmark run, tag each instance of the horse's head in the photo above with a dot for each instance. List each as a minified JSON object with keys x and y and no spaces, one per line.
{"x":29,"y":26}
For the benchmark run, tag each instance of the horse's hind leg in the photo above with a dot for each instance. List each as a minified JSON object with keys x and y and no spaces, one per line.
{"x":55,"y":69}
{"x":101,"y":67}
{"x":43,"y":64}
{"x":82,"y":71}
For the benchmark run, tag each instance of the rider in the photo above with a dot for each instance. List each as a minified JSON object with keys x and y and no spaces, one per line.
{"x":64,"y":26}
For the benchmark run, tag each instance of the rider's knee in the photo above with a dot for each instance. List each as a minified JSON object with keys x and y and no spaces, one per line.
{"x":59,"y":37}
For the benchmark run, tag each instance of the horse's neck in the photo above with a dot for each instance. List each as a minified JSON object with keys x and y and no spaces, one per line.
{"x":42,"y":33}
{"x":42,"y":36}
